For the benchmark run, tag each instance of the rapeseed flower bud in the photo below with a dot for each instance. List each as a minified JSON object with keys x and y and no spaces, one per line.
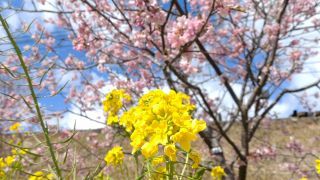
{"x":196,"y":158}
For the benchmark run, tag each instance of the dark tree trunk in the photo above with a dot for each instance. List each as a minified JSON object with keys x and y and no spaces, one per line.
{"x":211,"y":139}
{"x":243,"y":171}
{"x":243,"y":165}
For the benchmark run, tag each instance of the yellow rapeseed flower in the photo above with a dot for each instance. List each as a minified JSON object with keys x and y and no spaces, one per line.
{"x":149,"y":149}
{"x":115,"y":156}
{"x":171,"y":151}
{"x":196,"y":158}
{"x":157,"y":160}
{"x":9,"y":160}
{"x":198,"y":126}
{"x":112,"y":119}
{"x":137,"y":139}
{"x":2,"y":163}
{"x":113,"y":103}
{"x":39,"y":175}
{"x":217,"y":173}
{"x":184,"y":138}
{"x":15,"y":127}
{"x":318,"y":165}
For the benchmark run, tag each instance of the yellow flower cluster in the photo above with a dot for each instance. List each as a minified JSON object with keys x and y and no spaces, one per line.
{"x":114,"y":156}
{"x":5,"y":163}
{"x":15,"y":127}
{"x":217,"y":173}
{"x":113,"y":103}
{"x":318,"y":165}
{"x":11,"y":162}
{"x":159,"y":118}
{"x":19,"y":151}
{"x":39,"y":175}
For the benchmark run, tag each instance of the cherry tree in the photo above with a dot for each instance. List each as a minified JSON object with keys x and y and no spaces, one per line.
{"x":236,"y":59}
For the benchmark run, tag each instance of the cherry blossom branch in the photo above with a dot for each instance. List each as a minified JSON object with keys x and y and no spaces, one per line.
{"x":277,"y":99}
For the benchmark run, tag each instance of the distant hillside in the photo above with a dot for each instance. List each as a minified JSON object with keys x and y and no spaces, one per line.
{"x":279,"y":145}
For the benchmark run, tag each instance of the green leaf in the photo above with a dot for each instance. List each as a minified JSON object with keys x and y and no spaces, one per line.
{"x":199,"y":173}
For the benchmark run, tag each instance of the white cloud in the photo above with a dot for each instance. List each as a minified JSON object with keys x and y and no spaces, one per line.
{"x":79,"y":119}
{"x":285,"y":107}
{"x":89,"y":119}
{"x":16,"y":18}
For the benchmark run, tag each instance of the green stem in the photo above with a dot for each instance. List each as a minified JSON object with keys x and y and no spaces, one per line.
{"x":34,"y":97}
{"x":121,"y":169}
{"x":149,"y":169}
{"x":184,"y":167}
{"x":171,"y":170}
{"x":137,"y":164}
